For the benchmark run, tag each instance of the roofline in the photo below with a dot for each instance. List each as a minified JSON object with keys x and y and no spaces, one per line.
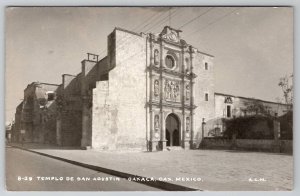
{"x":68,"y":75}
{"x":205,"y":53}
{"x":49,"y":84}
{"x":38,"y":83}
{"x":127,"y":31}
{"x":135,"y":33}
{"x":250,"y":98}
{"x":102,"y":59}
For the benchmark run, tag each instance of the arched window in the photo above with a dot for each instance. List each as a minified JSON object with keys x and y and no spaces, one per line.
{"x":170,"y":62}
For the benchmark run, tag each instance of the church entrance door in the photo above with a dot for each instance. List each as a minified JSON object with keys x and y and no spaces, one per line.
{"x":172,"y":130}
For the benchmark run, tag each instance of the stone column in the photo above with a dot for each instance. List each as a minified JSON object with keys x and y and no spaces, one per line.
{"x":153,"y":141}
{"x":184,"y":142}
{"x":162,"y":141}
{"x":191,"y":50}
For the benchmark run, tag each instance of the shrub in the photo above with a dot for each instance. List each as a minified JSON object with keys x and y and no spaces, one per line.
{"x":249,"y":127}
{"x":286,"y":126}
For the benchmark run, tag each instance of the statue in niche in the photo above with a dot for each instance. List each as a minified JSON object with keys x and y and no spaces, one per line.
{"x":167,"y":90}
{"x":187,"y":65}
{"x":176,"y":91}
{"x":187,"y":92}
{"x":156,"y":57}
{"x":156,"y":88}
{"x":187,"y":124}
{"x":156,"y":122}
{"x":172,"y":90}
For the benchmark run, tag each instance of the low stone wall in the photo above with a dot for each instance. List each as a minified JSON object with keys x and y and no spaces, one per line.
{"x":257,"y":145}
{"x":282,"y":146}
{"x":215,"y":143}
{"x":286,"y":146}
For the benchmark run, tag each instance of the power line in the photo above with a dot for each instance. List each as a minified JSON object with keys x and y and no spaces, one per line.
{"x":215,"y":21}
{"x":163,"y":20}
{"x":190,"y":21}
{"x":209,"y":24}
{"x":153,"y":17}
{"x":148,"y":21}
{"x":123,"y":40}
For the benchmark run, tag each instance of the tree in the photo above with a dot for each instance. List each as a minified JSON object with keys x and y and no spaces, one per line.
{"x":286,"y":121}
{"x":286,"y":84}
{"x":256,"y":107}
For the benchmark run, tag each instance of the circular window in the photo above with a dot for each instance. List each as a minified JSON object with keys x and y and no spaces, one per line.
{"x":170,"y":63}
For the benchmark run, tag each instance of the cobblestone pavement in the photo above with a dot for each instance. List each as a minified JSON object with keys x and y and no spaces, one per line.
{"x":219,"y":170}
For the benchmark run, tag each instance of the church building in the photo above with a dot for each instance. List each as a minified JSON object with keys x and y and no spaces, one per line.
{"x":151,"y":92}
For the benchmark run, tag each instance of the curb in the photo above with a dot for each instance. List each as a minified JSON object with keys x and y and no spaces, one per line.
{"x":157,"y":184}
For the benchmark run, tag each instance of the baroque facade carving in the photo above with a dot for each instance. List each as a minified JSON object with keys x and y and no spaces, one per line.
{"x":171,"y":90}
{"x":170,"y":34}
{"x":187,"y":92}
{"x":156,"y":88}
{"x":156,"y":57}
{"x":156,"y":126}
{"x":228,"y":100}
{"x":187,"y":124}
{"x":187,"y":127}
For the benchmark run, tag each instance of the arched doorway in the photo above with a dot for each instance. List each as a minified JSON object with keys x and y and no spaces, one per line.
{"x":172,"y":130}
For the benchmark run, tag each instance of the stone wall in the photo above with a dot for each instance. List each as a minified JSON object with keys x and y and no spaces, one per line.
{"x":283,"y":146}
{"x":17,"y":126}
{"x":71,"y":111}
{"x":35,"y":114}
{"x":119,"y":120}
{"x":102,"y":134}
{"x":239,"y":105}
{"x":204,"y":83}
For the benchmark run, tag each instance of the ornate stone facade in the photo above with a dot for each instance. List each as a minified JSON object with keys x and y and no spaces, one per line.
{"x":174,"y":77}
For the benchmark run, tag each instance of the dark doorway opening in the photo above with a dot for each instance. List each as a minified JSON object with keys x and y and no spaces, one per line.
{"x":172,"y":130}
{"x":228,"y":111}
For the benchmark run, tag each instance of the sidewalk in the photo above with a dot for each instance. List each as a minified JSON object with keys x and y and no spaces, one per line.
{"x":208,"y":170}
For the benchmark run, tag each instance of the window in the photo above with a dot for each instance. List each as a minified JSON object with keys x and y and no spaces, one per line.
{"x":50,"y":96}
{"x":228,"y":111}
{"x":206,"y":65}
{"x":206,"y":96}
{"x":170,"y":63}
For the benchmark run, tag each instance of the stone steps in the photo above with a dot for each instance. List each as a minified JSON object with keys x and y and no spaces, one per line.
{"x":172,"y":148}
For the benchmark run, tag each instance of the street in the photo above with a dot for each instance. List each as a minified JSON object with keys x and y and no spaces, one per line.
{"x":26,"y":171}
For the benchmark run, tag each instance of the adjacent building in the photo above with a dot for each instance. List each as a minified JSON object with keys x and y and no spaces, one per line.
{"x":35,"y":116}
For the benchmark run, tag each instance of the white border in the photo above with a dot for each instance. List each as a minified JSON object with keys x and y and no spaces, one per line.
{"x":294,"y":3}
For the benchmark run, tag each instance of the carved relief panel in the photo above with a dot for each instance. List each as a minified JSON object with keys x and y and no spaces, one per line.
{"x":171,"y":90}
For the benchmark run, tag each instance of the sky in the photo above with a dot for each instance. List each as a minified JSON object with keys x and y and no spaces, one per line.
{"x":253,"y":46}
